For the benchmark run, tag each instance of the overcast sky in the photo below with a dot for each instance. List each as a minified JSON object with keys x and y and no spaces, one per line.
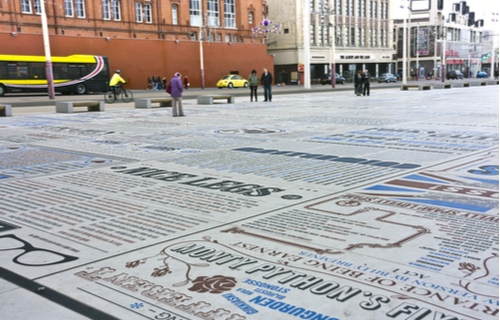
{"x":482,"y":8}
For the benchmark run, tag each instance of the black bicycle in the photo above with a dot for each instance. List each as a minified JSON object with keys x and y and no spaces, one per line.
{"x":113,"y":93}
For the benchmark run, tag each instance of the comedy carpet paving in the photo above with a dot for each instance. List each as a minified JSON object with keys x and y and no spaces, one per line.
{"x":315,"y":206}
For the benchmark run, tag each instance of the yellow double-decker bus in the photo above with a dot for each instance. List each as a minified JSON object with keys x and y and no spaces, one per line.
{"x":78,"y":74}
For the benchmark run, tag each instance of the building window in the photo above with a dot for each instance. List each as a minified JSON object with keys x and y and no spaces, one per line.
{"x":381,"y":38}
{"x":313,"y":34}
{"x":370,"y":9}
{"x":213,"y":13}
{"x":363,"y":37}
{"x":211,"y":37}
{"x":286,"y":31}
{"x":106,"y":12}
{"x":321,"y":32}
{"x":68,"y":8}
{"x":116,"y":10}
{"x":229,"y":14}
{"x":386,"y":44}
{"x":195,"y":12}
{"x":311,"y":6}
{"x":250,"y":17}
{"x":327,"y":35}
{"x":346,"y":42}
{"x":351,"y":7}
{"x":346,"y":7}
{"x":363,"y":8}
{"x":359,"y":37}
{"x":370,"y":38}
{"x":339,"y":36}
{"x":138,"y":12}
{"x":38,"y":7}
{"x":359,"y":8}
{"x":174,"y":14}
{"x":147,"y":13}
{"x":80,"y":8}
{"x":234,"y":38}
{"x":385,"y":12}
{"x":375,"y":42}
{"x":26,"y":6}
{"x":193,"y":36}
{"x":227,"y":37}
{"x":218,"y":37}
{"x":381,"y":10}
{"x":375,"y":9}
{"x":352,"y":36}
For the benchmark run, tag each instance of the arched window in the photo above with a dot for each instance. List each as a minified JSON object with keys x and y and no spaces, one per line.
{"x":174,"y":14}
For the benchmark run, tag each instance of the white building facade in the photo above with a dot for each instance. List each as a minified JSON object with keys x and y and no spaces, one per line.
{"x":353,"y":34}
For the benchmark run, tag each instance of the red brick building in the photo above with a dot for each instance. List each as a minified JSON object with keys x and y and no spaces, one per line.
{"x":127,"y":31}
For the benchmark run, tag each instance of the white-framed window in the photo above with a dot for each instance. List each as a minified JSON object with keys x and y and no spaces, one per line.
{"x":363,"y":8}
{"x":375,"y":9}
{"x":381,"y":10}
{"x":106,"y":10}
{"x":346,"y":6}
{"x":38,"y":7}
{"x":385,"y":12}
{"x":359,"y":37}
{"x":174,"y":14}
{"x":359,"y":8}
{"x":26,"y":6}
{"x":351,"y":6}
{"x":386,"y":44}
{"x":229,"y":14}
{"x":313,"y":35}
{"x":117,"y":15}
{"x":138,"y":12}
{"x":381,"y":43}
{"x":375,"y":39}
{"x":370,"y":38}
{"x":213,"y":13}
{"x":363,"y":37}
{"x":147,"y":13}
{"x":234,"y":38}
{"x":193,"y":36}
{"x":250,"y":17}
{"x":227,"y":37}
{"x":80,"y":8}
{"x":211,"y":37}
{"x":218,"y":37}
{"x":370,"y":9}
{"x":68,"y":8}
{"x":346,"y":36}
{"x":195,"y":13}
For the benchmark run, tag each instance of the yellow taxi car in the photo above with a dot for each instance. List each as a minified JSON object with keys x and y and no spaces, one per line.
{"x":232,"y":81}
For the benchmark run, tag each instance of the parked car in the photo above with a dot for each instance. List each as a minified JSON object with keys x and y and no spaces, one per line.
{"x":232,"y":81}
{"x":387,"y":77}
{"x":482,"y":74}
{"x":327,"y":79}
{"x":454,"y":74}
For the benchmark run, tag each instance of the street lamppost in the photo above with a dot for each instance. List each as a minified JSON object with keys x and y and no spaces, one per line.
{"x":46,"y":44}
{"x":494,"y":21}
{"x":418,"y":52}
{"x":307,"y":54}
{"x":405,"y":7}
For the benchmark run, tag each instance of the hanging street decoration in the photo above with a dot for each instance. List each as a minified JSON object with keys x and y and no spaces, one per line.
{"x":266,"y":27}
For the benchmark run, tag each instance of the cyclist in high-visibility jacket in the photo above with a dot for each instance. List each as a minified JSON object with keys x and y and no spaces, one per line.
{"x":115,"y":81}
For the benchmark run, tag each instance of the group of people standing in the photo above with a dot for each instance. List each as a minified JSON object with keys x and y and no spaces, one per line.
{"x":266,"y":80}
{"x":157,"y":83}
{"x":362,"y":83}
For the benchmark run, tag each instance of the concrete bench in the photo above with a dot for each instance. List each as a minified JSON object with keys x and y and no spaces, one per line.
{"x":145,"y":103}
{"x":466,"y":84}
{"x":441,"y":86}
{"x":67,"y":107}
{"x":475,"y":84}
{"x":418,"y":86}
{"x":209,"y":99}
{"x":458,"y":85}
{"x":492,"y":82}
{"x":5,"y":110}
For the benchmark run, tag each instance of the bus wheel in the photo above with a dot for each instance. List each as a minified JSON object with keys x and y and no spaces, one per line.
{"x":80,"y":88}
{"x":2,"y":90}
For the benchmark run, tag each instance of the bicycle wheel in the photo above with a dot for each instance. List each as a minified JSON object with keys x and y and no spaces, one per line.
{"x":127,"y":96}
{"x":109,"y":97}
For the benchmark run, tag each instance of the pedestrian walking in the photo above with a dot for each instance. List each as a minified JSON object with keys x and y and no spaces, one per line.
{"x":158,"y":83}
{"x":176,"y":93}
{"x":358,"y":83}
{"x":186,"y":82}
{"x":149,"y":84}
{"x":253,"y":80}
{"x":267,"y":80}
{"x":366,"y":82}
{"x":164,"y":80}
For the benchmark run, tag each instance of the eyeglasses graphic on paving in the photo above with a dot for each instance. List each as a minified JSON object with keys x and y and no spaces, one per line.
{"x":32,"y":256}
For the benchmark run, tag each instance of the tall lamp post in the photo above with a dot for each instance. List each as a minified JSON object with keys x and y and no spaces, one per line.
{"x":403,"y":6}
{"x":307,"y":54}
{"x":46,"y":44}
{"x":494,"y":21}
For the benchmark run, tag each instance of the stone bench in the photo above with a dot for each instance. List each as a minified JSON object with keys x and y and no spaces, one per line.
{"x":145,"y":103}
{"x":458,"y":85}
{"x":475,"y":84}
{"x":5,"y":110}
{"x":441,"y":86}
{"x":417,"y":86}
{"x":67,"y":107}
{"x":209,"y":99}
{"x":492,"y":82}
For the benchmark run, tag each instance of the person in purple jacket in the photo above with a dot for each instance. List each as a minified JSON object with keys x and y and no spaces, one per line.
{"x":176,"y":93}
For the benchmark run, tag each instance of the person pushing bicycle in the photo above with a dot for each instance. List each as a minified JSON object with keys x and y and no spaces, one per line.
{"x":115,"y":83}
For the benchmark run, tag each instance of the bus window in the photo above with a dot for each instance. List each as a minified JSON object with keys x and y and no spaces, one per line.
{"x":83,"y":70}
{"x":3,"y":70}
{"x":37,"y":70}
{"x":17,"y":70}
{"x":74,"y":71}
{"x":60,"y":71}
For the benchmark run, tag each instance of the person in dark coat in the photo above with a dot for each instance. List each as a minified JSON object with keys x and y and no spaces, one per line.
{"x":186,"y":82}
{"x":176,"y":93}
{"x":358,"y":83}
{"x":267,"y":80}
{"x":366,"y":83}
{"x":164,"y":80}
{"x":154,"y":83}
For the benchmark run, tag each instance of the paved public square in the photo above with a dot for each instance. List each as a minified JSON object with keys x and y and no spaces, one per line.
{"x":315,"y":206}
